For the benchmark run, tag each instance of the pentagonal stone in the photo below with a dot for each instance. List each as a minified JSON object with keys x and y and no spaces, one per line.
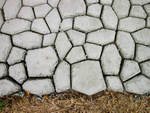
{"x":125,"y":44}
{"x":102,"y":37}
{"x":53,"y":3}
{"x":71,"y":8}
{"x":142,"y":36}
{"x":138,"y":11}
{"x":39,"y":25}
{"x":53,"y":20}
{"x":110,"y":60}
{"x":11,"y":8}
{"x":1,"y":18}
{"x":108,"y":22}
{"x":94,"y":10}
{"x":26,"y":13}
{"x":86,"y":23}
{"x":114,"y":83}
{"x":39,"y":87}
{"x":142,"y":53}
{"x":87,"y":77}
{"x":41,"y":62}
{"x":139,"y":2}
{"x":3,"y":70}
{"x":106,"y":2}
{"x":121,"y":7}
{"x":93,"y":51}
{"x":62,"y":44}
{"x":76,"y":54}
{"x":138,"y":85}
{"x":66,"y":24}
{"x":148,"y":22}
{"x":7,"y":87}
{"x":16,"y":55}
{"x":2,"y":2}
{"x":5,"y":47}
{"x":15,"y":26}
{"x":131,"y":24}
{"x":130,"y":68}
{"x":145,"y":68}
{"x":62,"y":77}
{"x":17,"y":72}
{"x":147,"y":8}
{"x":42,"y":10}
{"x":49,"y":39}
{"x":27,"y":40}
{"x":76,"y":37}
{"x":34,"y":2}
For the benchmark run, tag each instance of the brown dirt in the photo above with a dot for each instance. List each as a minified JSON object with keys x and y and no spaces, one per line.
{"x":74,"y":102}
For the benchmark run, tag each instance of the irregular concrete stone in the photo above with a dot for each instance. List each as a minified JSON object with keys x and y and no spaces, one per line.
{"x":140,"y":2}
{"x":102,"y":37}
{"x":7,"y":87}
{"x":16,"y":55}
{"x":53,"y":3}
{"x":142,"y":36}
{"x":126,"y":44}
{"x":76,"y":37}
{"x":34,"y":2}
{"x":17,"y":72}
{"x":148,"y":22}
{"x":3,"y":70}
{"x":106,"y":2}
{"x":88,"y":2}
{"x":66,"y":24}
{"x":26,"y":13}
{"x":121,"y":7}
{"x":15,"y":26}
{"x":93,"y":51}
{"x":87,"y":77}
{"x":142,"y":53}
{"x":62,"y":44}
{"x":108,"y":22}
{"x":131,"y":24}
{"x":138,"y":11}
{"x":130,"y":68}
{"x":5,"y":47}
{"x":39,"y":87}
{"x":1,"y":18}
{"x":62,"y":77}
{"x":147,"y":8}
{"x":11,"y":8}
{"x":76,"y":54}
{"x":114,"y":83}
{"x":39,"y":25}
{"x":27,"y":40}
{"x":86,"y":23}
{"x":71,"y":8}
{"x":2,"y":2}
{"x":42,"y":10}
{"x":41,"y":62}
{"x":49,"y":39}
{"x":138,"y":85}
{"x":110,"y":60}
{"x":145,"y":68}
{"x":53,"y":20}
{"x":94,"y":10}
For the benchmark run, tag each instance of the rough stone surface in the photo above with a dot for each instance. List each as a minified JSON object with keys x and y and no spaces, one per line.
{"x":62,"y":77}
{"x":102,"y":37}
{"x":131,"y":24}
{"x":110,"y":60}
{"x":2,"y":2}
{"x":3,"y":70}
{"x":114,"y":83}
{"x":41,"y":62}
{"x":140,"y":2}
{"x":49,"y":39}
{"x":88,"y":2}
{"x":53,"y":3}
{"x":130,"y":68}
{"x":85,"y":81}
{"x":1,"y":18}
{"x":15,"y":26}
{"x":16,"y":55}
{"x":148,"y":22}
{"x":7,"y":87}
{"x":27,"y":40}
{"x":33,"y":2}
{"x":66,"y":24}
{"x":5,"y":47}
{"x":39,"y":87}
{"x":138,"y":85}
{"x":147,"y":8}
{"x":17,"y":72}
{"x":106,"y":2}
{"x":125,"y":44}
{"x":145,"y":68}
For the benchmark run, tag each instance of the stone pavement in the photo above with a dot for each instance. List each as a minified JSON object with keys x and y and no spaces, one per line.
{"x":89,"y":46}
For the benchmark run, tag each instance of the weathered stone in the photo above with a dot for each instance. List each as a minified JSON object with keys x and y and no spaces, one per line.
{"x":106,"y":2}
{"x":140,"y":2}
{"x":147,"y":8}
{"x":88,"y":2}
{"x":49,"y":39}
{"x":145,"y":68}
{"x":1,"y":18}
{"x":2,"y":2}
{"x":87,"y":77}
{"x":53,"y":3}
{"x":3,"y":70}
{"x":148,"y":22}
{"x":34,"y":2}
{"x":66,"y":24}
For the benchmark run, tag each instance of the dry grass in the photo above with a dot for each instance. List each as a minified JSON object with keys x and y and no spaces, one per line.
{"x":74,"y":102}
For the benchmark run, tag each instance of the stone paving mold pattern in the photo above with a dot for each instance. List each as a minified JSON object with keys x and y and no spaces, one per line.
{"x":49,"y":46}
